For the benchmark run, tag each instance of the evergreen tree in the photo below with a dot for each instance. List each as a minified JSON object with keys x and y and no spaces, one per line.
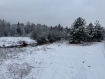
{"x":18,"y":29}
{"x":98,"y":32}
{"x":89,"y":32}
{"x":77,"y":32}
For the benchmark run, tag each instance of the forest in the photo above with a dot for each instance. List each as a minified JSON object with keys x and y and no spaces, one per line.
{"x":78,"y":32}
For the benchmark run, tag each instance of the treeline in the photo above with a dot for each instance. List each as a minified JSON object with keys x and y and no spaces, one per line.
{"x":78,"y":33}
{"x":41,"y":33}
{"x":19,"y":29}
{"x":45,"y":34}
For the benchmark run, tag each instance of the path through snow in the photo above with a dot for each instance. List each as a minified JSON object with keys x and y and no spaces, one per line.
{"x":63,"y":61}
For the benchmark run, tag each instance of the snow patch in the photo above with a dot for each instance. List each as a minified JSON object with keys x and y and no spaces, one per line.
{"x":14,"y":41}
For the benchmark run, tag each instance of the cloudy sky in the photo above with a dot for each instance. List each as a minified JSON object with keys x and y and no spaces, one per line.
{"x":52,"y":12}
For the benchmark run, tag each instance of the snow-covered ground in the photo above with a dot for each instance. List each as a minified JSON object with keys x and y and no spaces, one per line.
{"x":59,"y":60}
{"x":14,"y":41}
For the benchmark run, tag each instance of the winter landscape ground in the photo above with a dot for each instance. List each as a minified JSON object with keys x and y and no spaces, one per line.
{"x":59,"y":60}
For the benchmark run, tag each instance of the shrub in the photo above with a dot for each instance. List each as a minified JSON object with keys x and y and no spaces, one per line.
{"x":18,"y":71}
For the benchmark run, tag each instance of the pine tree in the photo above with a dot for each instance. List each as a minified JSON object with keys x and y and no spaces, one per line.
{"x":89,"y":32}
{"x":98,"y":32}
{"x":77,"y":32}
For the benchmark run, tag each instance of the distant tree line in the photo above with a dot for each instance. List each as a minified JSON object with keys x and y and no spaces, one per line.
{"x":44,"y":34}
{"x":78,"y":33}
{"x":41,"y":33}
{"x":19,"y":29}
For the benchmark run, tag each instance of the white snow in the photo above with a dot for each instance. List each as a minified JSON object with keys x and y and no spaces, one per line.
{"x":59,"y":60}
{"x":13,"y":41}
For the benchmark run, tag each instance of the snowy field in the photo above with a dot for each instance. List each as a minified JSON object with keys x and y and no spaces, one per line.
{"x":58,"y":60}
{"x":14,"y":41}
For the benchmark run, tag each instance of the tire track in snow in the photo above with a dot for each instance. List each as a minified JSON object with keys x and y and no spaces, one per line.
{"x":95,"y":63}
{"x":103,"y":49}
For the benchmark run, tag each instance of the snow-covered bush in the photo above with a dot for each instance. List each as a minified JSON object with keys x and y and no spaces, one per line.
{"x":6,"y":53}
{"x":18,"y":71}
{"x":3,"y":54}
{"x":41,"y":40}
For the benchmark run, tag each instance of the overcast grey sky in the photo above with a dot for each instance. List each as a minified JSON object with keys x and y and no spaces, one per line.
{"x":52,"y":12}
